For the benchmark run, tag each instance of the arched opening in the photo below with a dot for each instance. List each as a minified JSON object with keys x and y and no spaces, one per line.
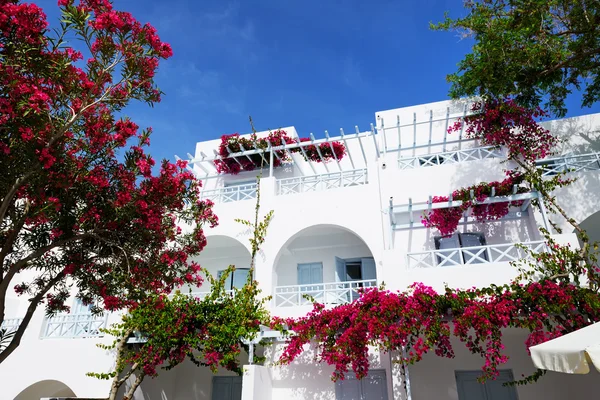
{"x":592,"y":226}
{"x":48,"y":388}
{"x":329,"y":263}
{"x":221,"y":252}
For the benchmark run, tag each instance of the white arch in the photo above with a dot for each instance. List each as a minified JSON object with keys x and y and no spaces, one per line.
{"x":46,"y":388}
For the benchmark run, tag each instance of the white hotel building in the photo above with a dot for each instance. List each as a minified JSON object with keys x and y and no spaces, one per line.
{"x":338,"y":226}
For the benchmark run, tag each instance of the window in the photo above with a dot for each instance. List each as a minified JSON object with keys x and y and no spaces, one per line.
{"x":80,"y":308}
{"x":227,"y":388}
{"x":237,"y":279}
{"x":470,"y":389}
{"x":355,"y":270}
{"x":371,"y":387}
{"x":449,"y":255}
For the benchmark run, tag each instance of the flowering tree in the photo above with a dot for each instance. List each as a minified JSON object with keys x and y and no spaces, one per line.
{"x":234,"y":143}
{"x":210,"y":331}
{"x":549,"y":297}
{"x":72,"y":212}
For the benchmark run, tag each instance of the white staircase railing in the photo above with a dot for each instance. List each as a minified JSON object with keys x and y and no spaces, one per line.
{"x":493,"y":253}
{"x":74,"y":326}
{"x":327,"y":293}
{"x":576,"y":163}
{"x":315,"y":183}
{"x":449,"y":157}
{"x":231,"y":193}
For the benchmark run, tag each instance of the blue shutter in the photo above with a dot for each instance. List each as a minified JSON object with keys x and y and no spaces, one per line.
{"x":227,"y":388}
{"x":227,"y":281}
{"x":368,"y":269}
{"x":496,"y":390}
{"x":236,"y":389}
{"x":374,"y":386}
{"x":473,"y":239}
{"x":304,"y":275}
{"x":340,"y":270}
{"x":348,"y":389}
{"x":468,"y":387}
{"x":221,"y":388}
{"x":240,"y":276}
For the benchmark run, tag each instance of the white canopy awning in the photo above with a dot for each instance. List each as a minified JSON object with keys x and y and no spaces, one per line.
{"x":572,"y":353}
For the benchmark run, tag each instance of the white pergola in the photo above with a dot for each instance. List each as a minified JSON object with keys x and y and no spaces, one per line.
{"x":206,"y":162}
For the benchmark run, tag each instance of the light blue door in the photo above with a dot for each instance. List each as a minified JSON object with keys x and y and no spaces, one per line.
{"x":310,"y":277}
{"x":369,"y":271}
{"x":469,"y":388}
{"x":371,"y":387}
{"x":227,"y":388}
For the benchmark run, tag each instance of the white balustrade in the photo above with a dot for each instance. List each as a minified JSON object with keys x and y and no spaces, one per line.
{"x":449,"y":157}
{"x":576,"y":163}
{"x":315,"y":183}
{"x":327,"y":293}
{"x":231,"y":193}
{"x":74,"y":326}
{"x":11,"y":324}
{"x":493,"y":253}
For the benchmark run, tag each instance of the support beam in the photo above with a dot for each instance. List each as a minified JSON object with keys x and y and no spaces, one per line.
{"x":347,"y":148}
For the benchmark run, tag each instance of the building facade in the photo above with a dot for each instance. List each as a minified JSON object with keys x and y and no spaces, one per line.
{"x":337,"y":227}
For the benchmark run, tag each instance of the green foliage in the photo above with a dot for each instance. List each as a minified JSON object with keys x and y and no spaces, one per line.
{"x":535,"y":50}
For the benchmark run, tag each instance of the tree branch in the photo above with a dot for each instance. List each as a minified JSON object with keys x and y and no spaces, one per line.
{"x":28,"y":315}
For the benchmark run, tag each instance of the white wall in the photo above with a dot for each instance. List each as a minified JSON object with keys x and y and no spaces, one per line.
{"x":257,"y":383}
{"x":362,"y":213}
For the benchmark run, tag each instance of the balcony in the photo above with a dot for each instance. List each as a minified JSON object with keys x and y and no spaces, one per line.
{"x":74,"y":326}
{"x":331,"y":293}
{"x":583,"y":162}
{"x":11,"y":324}
{"x":231,"y":194}
{"x":488,"y":254}
{"x":315,"y":183}
{"x":450,"y":157}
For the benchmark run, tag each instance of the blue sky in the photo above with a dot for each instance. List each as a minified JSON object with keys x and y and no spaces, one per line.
{"x":315,"y":64}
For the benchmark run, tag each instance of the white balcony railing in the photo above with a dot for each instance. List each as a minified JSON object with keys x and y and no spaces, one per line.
{"x":231,"y":193}
{"x":74,"y":326}
{"x":576,"y":163}
{"x":493,"y":253}
{"x":11,"y":324}
{"x":315,"y":183}
{"x":327,"y":293}
{"x":449,"y":157}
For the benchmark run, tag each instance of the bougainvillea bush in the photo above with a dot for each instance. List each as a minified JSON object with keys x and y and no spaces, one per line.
{"x":446,"y":220}
{"x":208,"y":331}
{"x":81,"y":205}
{"x":235,"y":143}
{"x":505,"y":123}
{"x":421,"y":321}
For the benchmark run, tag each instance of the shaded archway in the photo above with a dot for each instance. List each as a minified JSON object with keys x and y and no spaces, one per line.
{"x":47,"y":388}
{"x":592,"y":226}
{"x":328,"y":262}
{"x":220,"y":252}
